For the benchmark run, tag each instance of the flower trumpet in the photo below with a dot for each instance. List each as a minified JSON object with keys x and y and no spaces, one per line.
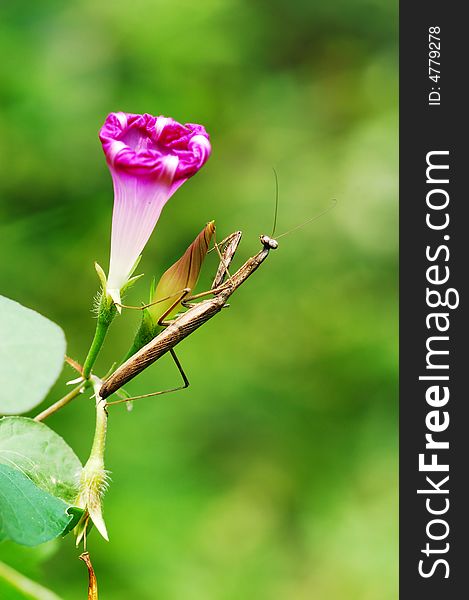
{"x":149,"y":159}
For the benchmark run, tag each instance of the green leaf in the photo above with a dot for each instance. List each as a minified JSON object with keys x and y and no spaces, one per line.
{"x":39,"y":481}
{"x":28,"y":515}
{"x":32,"y":352}
{"x":41,"y":455}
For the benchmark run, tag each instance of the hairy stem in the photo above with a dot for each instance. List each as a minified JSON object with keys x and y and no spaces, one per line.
{"x":96,"y":345}
{"x":106,"y":313}
{"x":94,"y":477}
{"x":99,"y":441}
{"x":25,"y":585}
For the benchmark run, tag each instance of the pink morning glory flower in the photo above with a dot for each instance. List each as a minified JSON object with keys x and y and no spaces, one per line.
{"x":149,"y":159}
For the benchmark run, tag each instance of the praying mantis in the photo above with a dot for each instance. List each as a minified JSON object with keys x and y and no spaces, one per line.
{"x":198,"y":313}
{"x":186,"y":323}
{"x":180,"y":327}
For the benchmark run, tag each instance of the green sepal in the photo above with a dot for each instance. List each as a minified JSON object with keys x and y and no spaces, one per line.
{"x":145,"y":333}
{"x":136,"y":263}
{"x":130,"y":283}
{"x":76,"y":514}
{"x":101,"y":275}
{"x":106,"y":309}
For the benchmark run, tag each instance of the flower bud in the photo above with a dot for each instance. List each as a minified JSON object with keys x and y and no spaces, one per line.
{"x":181,"y":276}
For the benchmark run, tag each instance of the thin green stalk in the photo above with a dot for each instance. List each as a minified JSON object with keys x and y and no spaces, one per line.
{"x":96,"y":345}
{"x":25,"y":585}
{"x":99,"y":441}
{"x":106,"y":313}
{"x":61,"y":403}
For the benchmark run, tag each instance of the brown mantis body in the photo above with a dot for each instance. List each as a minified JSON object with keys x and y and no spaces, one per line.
{"x":196,"y":315}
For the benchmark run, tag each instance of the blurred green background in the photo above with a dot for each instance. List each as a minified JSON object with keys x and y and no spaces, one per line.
{"x":274,"y":476}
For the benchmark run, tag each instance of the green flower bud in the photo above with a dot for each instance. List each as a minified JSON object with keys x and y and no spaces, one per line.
{"x":181,"y":276}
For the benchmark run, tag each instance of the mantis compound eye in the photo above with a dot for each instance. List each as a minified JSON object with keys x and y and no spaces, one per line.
{"x":269,"y":242}
{"x":273,"y":244}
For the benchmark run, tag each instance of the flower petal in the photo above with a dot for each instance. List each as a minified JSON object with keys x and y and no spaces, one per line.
{"x":149,"y":159}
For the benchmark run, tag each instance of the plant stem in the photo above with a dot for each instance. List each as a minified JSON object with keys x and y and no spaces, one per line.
{"x":61,"y":403}
{"x":106,"y":313}
{"x":96,"y":345}
{"x":25,"y":585}
{"x":99,"y":441}
{"x":93,"y":480}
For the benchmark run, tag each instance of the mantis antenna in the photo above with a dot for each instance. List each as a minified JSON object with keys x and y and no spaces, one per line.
{"x":321,"y":214}
{"x":276,"y":203}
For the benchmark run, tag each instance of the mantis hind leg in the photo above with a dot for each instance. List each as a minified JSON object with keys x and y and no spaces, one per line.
{"x":180,"y":299}
{"x":176,"y":389}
